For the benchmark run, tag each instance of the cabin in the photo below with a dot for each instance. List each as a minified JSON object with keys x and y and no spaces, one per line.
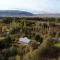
{"x":24,"y":41}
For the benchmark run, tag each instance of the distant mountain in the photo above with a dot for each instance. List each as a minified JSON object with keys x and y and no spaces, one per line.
{"x":14,"y":13}
{"x":48,"y":15}
{"x":17,"y":13}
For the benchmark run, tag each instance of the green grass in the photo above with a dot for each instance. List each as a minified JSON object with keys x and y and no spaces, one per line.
{"x":57,"y":44}
{"x":17,"y":57}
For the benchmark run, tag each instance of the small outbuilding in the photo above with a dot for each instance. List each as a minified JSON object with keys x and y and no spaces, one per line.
{"x":24,"y":41}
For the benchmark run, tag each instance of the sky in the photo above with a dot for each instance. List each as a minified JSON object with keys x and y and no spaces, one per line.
{"x":35,"y":6}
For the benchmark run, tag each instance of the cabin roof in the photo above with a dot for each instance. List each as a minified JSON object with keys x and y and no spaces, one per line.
{"x":24,"y":40}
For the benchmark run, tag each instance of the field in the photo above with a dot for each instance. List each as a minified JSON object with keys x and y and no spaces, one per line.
{"x":43,"y":34}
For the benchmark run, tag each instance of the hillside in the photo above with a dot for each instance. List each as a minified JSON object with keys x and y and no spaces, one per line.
{"x":13,"y":13}
{"x":17,"y":13}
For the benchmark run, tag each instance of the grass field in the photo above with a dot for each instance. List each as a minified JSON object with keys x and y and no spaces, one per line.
{"x":57,"y":44}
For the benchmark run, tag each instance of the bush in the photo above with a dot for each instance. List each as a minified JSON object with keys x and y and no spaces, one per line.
{"x":34,"y":44}
{"x":6,"y":43}
{"x":38,"y":38}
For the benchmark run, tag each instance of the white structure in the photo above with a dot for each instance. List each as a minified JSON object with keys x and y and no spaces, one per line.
{"x":56,"y":39}
{"x":24,"y":41}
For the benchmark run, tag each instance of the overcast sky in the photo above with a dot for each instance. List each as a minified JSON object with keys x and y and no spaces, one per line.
{"x":35,"y":6}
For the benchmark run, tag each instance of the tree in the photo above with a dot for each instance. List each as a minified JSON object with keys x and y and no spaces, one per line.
{"x":38,"y":38}
{"x":12,"y":51}
{"x":7,"y":20}
{"x":6,"y":43}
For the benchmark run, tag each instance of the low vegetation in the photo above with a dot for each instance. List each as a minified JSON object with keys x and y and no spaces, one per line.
{"x":43,"y":33}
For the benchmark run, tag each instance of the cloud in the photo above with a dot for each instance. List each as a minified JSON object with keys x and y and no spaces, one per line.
{"x":31,"y":5}
{"x":22,"y":4}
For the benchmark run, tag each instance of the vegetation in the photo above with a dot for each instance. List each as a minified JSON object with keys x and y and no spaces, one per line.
{"x":41,"y":31}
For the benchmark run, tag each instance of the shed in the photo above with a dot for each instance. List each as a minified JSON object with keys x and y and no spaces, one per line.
{"x":24,"y":40}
